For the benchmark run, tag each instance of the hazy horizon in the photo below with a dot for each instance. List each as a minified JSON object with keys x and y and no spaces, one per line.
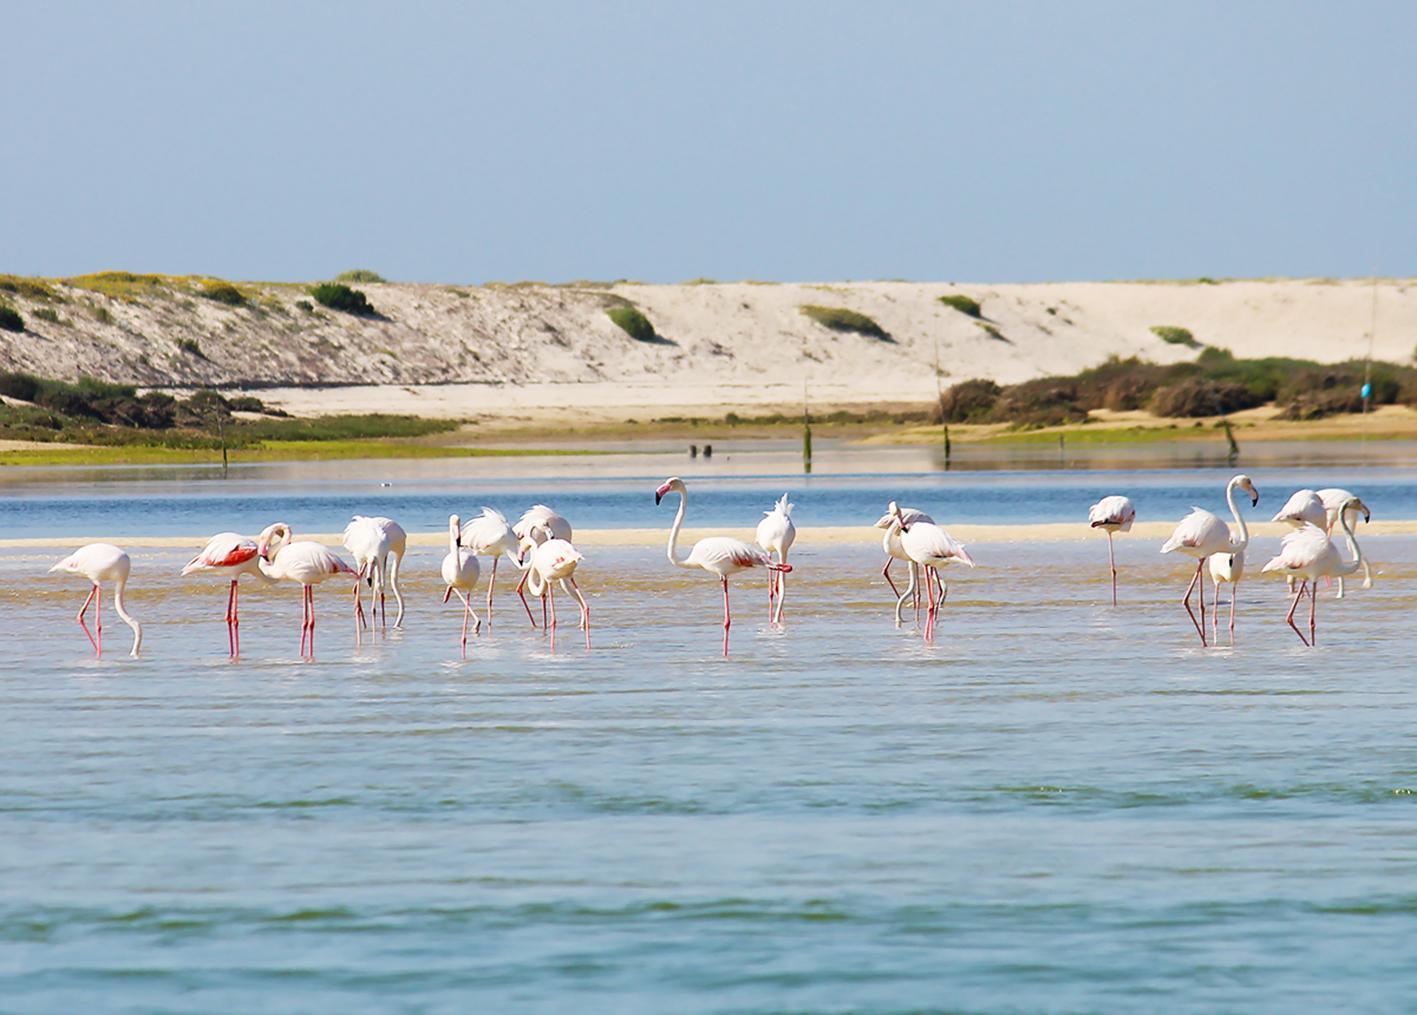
{"x":660,"y":143}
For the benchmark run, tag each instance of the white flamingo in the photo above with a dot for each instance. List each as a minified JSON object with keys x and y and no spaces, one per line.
{"x":537,"y":524}
{"x":776,"y":534}
{"x":1112,"y":514}
{"x":372,"y":541}
{"x":932,"y":549}
{"x":1201,"y":535}
{"x":721,"y":556}
{"x":1302,"y":508}
{"x":554,"y":562}
{"x":1307,"y":555}
{"x":1334,"y":500}
{"x":99,"y":563}
{"x":304,"y":562}
{"x":890,"y":543}
{"x":230,"y":555}
{"x":490,"y":535}
{"x":460,"y":573}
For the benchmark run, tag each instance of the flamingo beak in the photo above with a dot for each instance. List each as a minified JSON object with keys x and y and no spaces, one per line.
{"x":264,"y":552}
{"x":659,"y":494}
{"x":1367,"y":515}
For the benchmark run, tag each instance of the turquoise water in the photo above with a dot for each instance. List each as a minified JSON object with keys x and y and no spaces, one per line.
{"x":1059,"y":806}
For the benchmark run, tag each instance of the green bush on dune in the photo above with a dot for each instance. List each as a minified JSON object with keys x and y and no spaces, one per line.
{"x":360,"y":275}
{"x":1175,"y":336}
{"x":964,"y":304}
{"x":633,"y":323}
{"x":337,"y":296}
{"x":841,"y":319}
{"x":10,"y":319}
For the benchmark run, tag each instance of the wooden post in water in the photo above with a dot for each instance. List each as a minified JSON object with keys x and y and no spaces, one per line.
{"x":1234,"y":454}
{"x":806,"y":443}
{"x":1062,"y":449}
{"x":947,"y":446}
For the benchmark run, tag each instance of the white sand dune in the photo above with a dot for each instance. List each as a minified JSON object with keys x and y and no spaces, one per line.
{"x":551,"y":351}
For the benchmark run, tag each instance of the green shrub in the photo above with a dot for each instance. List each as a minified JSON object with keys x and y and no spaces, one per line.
{"x":967,"y":402}
{"x":223,"y":292}
{"x":1175,"y":336}
{"x":1318,"y":404}
{"x":841,"y":319}
{"x":28,"y":287}
{"x":101,"y":314}
{"x":190,"y":346}
{"x":964,"y":304}
{"x":1202,"y":396}
{"x":246,"y":403}
{"x":341,"y":297}
{"x":306,"y":306}
{"x":360,"y":275}
{"x":10,"y":319}
{"x":18,"y":385}
{"x":632,"y":323}
{"x":48,"y":314}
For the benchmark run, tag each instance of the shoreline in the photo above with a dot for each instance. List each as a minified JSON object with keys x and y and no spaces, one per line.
{"x":820,"y":535}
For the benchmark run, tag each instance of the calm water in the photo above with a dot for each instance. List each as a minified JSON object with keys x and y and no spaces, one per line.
{"x":1060,"y":806}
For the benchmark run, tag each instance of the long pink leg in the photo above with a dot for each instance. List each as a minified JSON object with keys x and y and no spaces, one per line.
{"x":466,"y":610}
{"x":1234,"y":587}
{"x":929,"y":613}
{"x":230,"y":631}
{"x":545,"y":593}
{"x":491,"y":584}
{"x":1112,"y":563}
{"x":1215,"y":610}
{"x":84,"y":609}
{"x":98,"y":617}
{"x":522,"y":595}
{"x":727,"y":618}
{"x":304,"y":619}
{"x":916,"y":568}
{"x":236,"y":617}
{"x":585,"y":610}
{"x":310,"y":597}
{"x":1186,"y":602}
{"x":889,"y":580}
{"x":772,"y":576}
{"x":1299,"y":594}
{"x":1313,"y":605}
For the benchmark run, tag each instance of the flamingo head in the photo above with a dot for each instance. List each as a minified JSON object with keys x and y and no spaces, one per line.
{"x":671,"y":485}
{"x":1355,"y":504}
{"x":272,"y":538}
{"x":1244,"y":483}
{"x":895,"y":518}
{"x":455,"y":530}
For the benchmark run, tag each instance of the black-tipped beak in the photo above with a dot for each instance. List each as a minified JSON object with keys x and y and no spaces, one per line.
{"x":1254,"y":499}
{"x":1367,"y":515}
{"x":657,"y":498}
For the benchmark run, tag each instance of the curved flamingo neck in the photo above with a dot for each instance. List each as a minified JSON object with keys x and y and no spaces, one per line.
{"x":1244,"y":540}
{"x":1357,"y":561}
{"x":674,"y":530}
{"x":453,"y":537}
{"x":128,"y":619}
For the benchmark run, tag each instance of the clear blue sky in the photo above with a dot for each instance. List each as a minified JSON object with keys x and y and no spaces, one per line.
{"x":665,"y":140}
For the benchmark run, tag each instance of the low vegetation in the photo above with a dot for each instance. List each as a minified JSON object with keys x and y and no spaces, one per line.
{"x":338,"y":296}
{"x":1175,"y":336}
{"x":1215,"y":384}
{"x":223,"y":292}
{"x":841,"y":319}
{"x":10,"y":319}
{"x":122,"y":285}
{"x":31,"y":288}
{"x":633,"y":323}
{"x":97,"y":412}
{"x":48,"y":314}
{"x":360,"y":275}
{"x":964,"y":304}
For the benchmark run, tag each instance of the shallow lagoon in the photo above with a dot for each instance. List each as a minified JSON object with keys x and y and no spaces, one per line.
{"x":1058,"y":806}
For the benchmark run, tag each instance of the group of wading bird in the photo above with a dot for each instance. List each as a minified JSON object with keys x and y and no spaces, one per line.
{"x":539,"y":547}
{"x":1306,"y":553}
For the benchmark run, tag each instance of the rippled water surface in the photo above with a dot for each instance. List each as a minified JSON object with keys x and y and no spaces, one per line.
{"x":1059,"y":806}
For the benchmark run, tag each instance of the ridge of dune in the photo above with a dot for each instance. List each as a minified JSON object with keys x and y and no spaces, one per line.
{"x":722,"y":344}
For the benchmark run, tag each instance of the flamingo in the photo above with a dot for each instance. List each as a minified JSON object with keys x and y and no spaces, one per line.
{"x":890,"y":542}
{"x":489,"y":535}
{"x":460,"y":573}
{"x":1308,"y":554}
{"x":1333,"y":500}
{"x":230,"y":555}
{"x":1112,"y":514}
{"x":930,"y":548}
{"x":1201,"y":535}
{"x":305,"y":562}
{"x":776,"y":534}
{"x":99,"y":563}
{"x":1302,"y":508}
{"x":372,"y":541}
{"x":537,"y":524}
{"x":1226,"y":568}
{"x":554,"y":562}
{"x":720,"y":556}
